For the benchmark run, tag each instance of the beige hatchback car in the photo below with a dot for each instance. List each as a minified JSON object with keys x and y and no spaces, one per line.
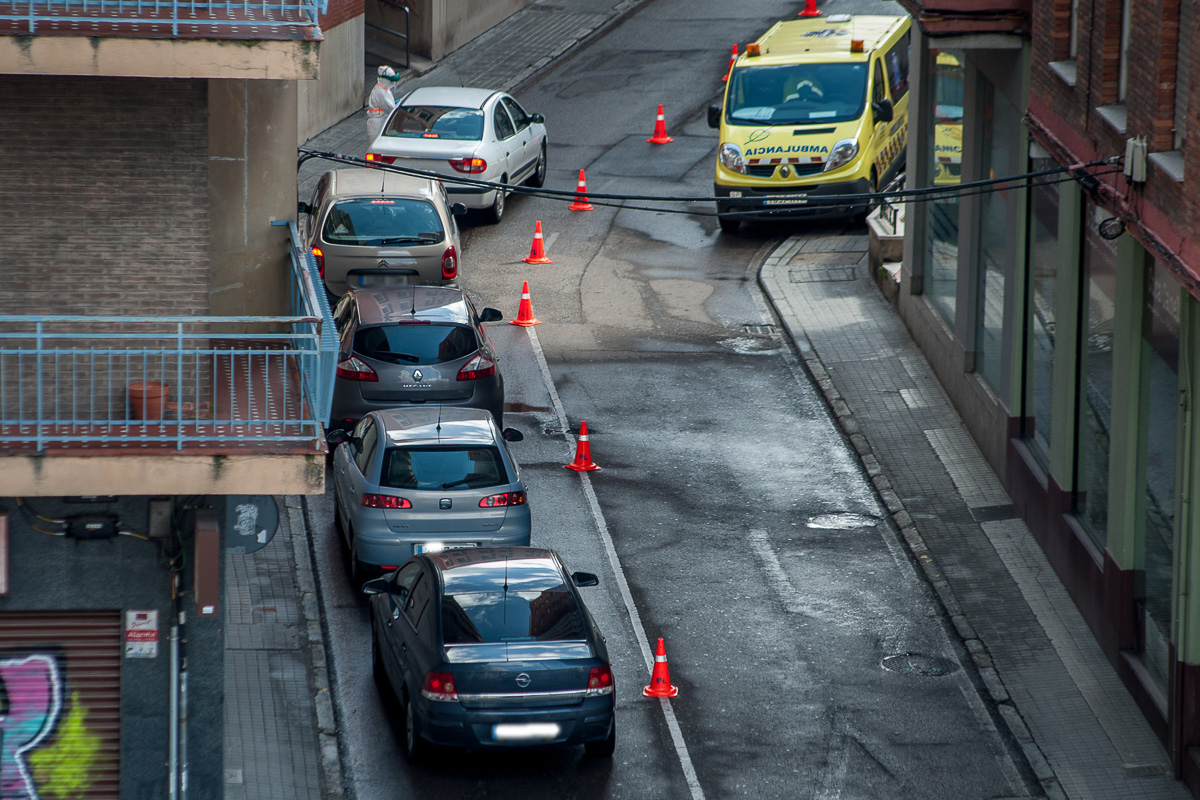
{"x":368,"y":227}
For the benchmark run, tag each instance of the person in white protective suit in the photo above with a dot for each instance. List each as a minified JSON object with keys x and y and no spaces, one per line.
{"x":381,"y":103}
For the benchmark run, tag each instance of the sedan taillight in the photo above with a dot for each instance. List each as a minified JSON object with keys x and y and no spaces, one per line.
{"x":449,"y":264}
{"x":478,"y":367}
{"x":384,"y":501}
{"x":439,"y":686}
{"x":505,"y":499}
{"x":352,"y":369}
{"x":380,"y":159}
{"x":319,"y":255}
{"x":600,"y":682}
{"x":471,"y":166}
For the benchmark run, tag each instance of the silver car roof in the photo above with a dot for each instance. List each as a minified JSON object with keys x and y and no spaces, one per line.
{"x":455,"y":96}
{"x":393,"y":303}
{"x":364,"y":180}
{"x":438,"y":425}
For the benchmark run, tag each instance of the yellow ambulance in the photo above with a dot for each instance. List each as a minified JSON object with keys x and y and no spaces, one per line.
{"x":815,"y":110}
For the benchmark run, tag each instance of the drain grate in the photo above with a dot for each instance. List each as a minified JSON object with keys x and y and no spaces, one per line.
{"x":917,"y":664}
{"x":760,"y":330}
{"x":841,"y":521}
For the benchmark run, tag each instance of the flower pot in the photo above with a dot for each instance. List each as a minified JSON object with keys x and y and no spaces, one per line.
{"x":146,"y":399}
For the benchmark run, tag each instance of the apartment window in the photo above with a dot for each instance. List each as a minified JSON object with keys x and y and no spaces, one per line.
{"x":1074,"y":29}
{"x":1001,"y":127}
{"x":1123,"y":74}
{"x":1041,"y":325}
{"x":945,"y":142}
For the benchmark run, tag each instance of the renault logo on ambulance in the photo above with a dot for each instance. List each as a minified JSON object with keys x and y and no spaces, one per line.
{"x":840,"y":83}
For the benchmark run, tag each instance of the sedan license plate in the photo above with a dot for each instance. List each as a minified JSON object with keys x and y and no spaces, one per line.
{"x":437,"y":547}
{"x":526,"y":732}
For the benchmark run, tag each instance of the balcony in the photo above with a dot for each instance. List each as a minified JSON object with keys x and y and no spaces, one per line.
{"x":269,"y":39}
{"x":169,"y":405}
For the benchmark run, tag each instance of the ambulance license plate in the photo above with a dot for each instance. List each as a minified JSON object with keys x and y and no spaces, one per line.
{"x":798,"y":200}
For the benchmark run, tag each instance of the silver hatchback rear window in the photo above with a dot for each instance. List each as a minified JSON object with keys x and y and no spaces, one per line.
{"x":382,"y":221}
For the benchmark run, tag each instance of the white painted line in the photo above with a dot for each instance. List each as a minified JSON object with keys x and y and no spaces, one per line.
{"x":635,"y":619}
{"x":793,"y":601}
{"x":548,"y":242}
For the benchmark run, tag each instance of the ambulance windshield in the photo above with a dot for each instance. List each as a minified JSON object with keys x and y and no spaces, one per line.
{"x":796,"y":94}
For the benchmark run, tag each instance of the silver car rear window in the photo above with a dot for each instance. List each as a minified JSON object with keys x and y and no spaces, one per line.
{"x":381,"y":221}
{"x":436,"y":122}
{"x":511,"y":616}
{"x":420,"y":344}
{"x":440,"y":468}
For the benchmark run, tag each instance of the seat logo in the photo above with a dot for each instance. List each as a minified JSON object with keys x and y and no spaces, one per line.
{"x":523,"y":680}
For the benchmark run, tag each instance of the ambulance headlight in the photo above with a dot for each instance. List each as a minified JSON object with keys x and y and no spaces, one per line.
{"x":731,"y":158}
{"x":842,"y":153}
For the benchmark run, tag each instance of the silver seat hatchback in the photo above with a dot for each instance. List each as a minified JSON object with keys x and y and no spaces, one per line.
{"x":368,"y":227}
{"x":409,"y":481}
{"x":413,"y":345}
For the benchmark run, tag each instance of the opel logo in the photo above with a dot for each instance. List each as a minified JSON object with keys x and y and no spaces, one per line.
{"x":523,"y":680}
{"x":417,"y":375}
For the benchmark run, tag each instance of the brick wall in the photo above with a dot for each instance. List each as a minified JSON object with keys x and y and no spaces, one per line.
{"x":340,"y":11}
{"x":1155,"y":37}
{"x":105,"y":195}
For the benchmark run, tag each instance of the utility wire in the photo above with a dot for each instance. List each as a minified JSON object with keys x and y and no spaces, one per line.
{"x":926,"y":194}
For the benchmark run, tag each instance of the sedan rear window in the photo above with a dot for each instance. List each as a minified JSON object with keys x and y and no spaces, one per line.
{"x":417,"y":344}
{"x":436,"y":122}
{"x":487,"y":617}
{"x":381,"y":221}
{"x":443,"y":468}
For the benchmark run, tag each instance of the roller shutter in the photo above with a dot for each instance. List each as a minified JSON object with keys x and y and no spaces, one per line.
{"x":60,"y":703}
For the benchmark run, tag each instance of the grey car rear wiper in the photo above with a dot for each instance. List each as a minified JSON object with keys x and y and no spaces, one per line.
{"x":423,"y":239}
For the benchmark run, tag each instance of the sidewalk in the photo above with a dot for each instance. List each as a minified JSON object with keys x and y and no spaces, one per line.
{"x":1079,"y":727}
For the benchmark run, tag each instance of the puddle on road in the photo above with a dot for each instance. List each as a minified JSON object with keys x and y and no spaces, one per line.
{"x":841,"y":521}
{"x":750,"y":345}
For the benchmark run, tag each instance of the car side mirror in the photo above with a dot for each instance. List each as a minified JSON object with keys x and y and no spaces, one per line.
{"x":585,"y":579}
{"x":491,"y":315}
{"x":883,"y":110}
{"x":337,"y":436}
{"x":513,"y":435}
{"x":375,"y":586}
{"x":714,"y":116}
{"x":458,"y":209}
{"x":537,"y":119}
{"x":303,"y":208}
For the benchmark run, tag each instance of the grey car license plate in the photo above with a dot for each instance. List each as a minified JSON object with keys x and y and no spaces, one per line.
{"x":437,"y":547}
{"x":526,"y":732}
{"x":386,"y":280}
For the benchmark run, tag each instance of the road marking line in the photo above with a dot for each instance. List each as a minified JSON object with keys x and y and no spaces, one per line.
{"x":548,"y":242}
{"x":635,"y":619}
{"x":793,"y":601}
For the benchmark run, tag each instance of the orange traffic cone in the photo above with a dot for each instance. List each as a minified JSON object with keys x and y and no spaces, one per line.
{"x":525,"y":312}
{"x":537,"y":253}
{"x":810,"y":9}
{"x":583,"y":453}
{"x":660,"y":679}
{"x":732,"y":59}
{"x":581,"y":202}
{"x":660,"y":130}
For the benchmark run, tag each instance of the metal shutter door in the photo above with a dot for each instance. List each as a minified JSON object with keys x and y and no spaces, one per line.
{"x":60,"y":704}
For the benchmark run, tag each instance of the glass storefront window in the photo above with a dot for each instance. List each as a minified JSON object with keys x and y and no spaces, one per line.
{"x":999,"y":128}
{"x":1160,"y":333}
{"x":1043,"y":275}
{"x":945,"y":145}
{"x":1096,"y":351}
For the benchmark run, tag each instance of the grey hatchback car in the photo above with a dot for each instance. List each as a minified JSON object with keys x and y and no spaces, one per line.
{"x":409,"y":481}
{"x":368,"y":227}
{"x":413,"y":345}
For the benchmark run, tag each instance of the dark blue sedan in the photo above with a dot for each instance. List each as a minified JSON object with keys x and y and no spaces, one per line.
{"x":492,"y":648}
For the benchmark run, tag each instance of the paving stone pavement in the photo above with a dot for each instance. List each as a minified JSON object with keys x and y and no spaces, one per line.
{"x":1080,"y":730}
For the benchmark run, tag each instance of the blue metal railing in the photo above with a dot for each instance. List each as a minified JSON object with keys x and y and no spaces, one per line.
{"x":113,"y":381}
{"x":231,"y":19}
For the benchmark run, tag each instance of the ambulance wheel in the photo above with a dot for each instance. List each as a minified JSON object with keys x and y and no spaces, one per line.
{"x":872,"y":188}
{"x":729,"y":223}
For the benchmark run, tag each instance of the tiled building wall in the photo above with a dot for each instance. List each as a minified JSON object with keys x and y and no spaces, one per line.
{"x":105,"y":195}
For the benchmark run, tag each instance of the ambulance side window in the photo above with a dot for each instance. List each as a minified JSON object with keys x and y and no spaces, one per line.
{"x":897,"y":68}
{"x":877,"y":91}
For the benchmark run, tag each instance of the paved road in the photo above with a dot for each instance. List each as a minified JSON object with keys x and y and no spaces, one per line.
{"x":729,"y":502}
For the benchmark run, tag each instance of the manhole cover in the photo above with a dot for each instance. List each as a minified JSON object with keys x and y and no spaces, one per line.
{"x":917,"y":664}
{"x":841,"y":521}
{"x":759,"y":330}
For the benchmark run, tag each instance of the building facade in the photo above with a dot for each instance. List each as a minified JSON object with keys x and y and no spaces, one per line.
{"x":1060,"y":310}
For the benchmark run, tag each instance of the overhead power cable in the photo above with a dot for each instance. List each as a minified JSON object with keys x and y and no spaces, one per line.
{"x":1078,"y":172}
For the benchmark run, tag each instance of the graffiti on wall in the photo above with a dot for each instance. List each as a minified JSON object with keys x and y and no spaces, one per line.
{"x":43,"y":752}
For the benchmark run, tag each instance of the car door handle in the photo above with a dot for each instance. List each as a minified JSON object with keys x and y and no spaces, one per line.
{"x":404,"y":647}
